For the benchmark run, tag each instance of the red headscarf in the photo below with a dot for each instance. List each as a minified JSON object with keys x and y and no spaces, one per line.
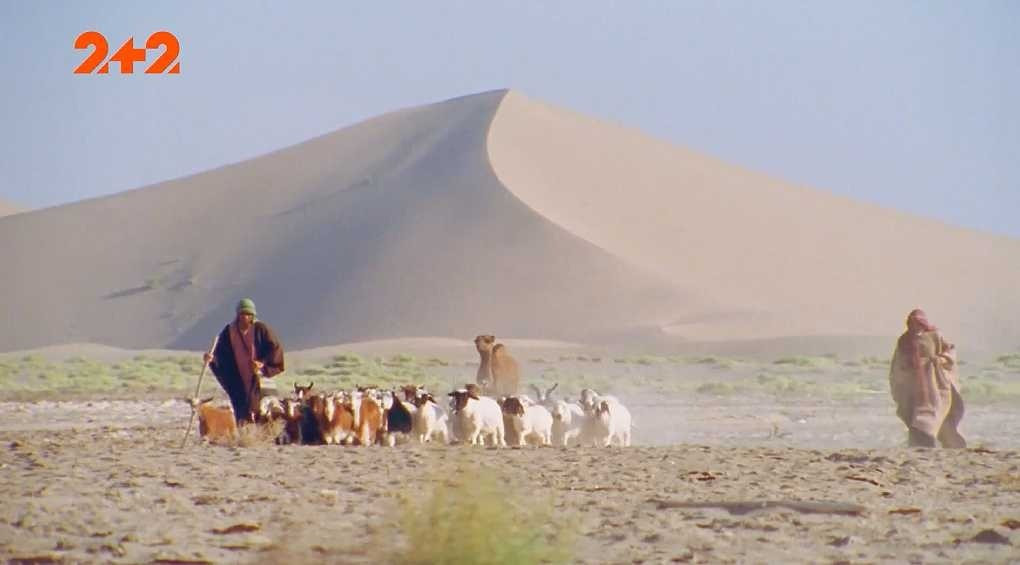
{"x":917,"y":322}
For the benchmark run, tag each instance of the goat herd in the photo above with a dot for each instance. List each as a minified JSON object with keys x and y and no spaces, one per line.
{"x":373,"y":416}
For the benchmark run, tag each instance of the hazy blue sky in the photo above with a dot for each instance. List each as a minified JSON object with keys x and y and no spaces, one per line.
{"x":912,"y":105}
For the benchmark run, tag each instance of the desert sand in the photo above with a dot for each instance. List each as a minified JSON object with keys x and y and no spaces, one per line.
{"x":613,"y":260}
{"x":494,"y":212}
{"x":738,"y":478}
{"x":121,"y":490}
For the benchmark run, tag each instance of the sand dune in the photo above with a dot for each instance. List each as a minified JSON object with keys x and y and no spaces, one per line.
{"x":491,"y":213}
{"x":779,"y":260}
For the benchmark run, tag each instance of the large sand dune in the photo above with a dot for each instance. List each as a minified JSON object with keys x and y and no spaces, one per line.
{"x":492,"y":213}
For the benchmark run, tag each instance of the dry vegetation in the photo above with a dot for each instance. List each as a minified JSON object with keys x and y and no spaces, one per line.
{"x":481,"y":515}
{"x":30,"y":377}
{"x":711,"y":430}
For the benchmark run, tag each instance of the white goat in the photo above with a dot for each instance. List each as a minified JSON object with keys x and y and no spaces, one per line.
{"x":478,"y":416}
{"x":545,"y":398}
{"x":611,"y":422}
{"x":270,"y":408}
{"x":569,"y":422}
{"x":588,"y":399}
{"x":430,"y":420}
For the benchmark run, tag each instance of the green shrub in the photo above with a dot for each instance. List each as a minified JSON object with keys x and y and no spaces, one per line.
{"x":717,"y":389}
{"x":1011,"y":360}
{"x":349,"y":358}
{"x":809,"y":362}
{"x":482,"y":519}
{"x":875,"y":362}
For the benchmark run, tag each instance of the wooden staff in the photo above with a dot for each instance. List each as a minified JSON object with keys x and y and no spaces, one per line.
{"x":198,"y":389}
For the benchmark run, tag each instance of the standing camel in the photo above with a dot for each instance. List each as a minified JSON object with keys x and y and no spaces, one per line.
{"x":498,"y":372}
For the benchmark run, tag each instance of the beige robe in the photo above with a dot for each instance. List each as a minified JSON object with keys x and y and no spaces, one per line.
{"x":928,"y":398}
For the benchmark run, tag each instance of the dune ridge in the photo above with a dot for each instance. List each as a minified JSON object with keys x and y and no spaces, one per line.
{"x":780,"y":259}
{"x":489,"y":213}
{"x":389,"y":228}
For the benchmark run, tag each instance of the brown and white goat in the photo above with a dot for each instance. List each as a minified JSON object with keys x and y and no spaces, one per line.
{"x":525,"y":422}
{"x":370,"y":419}
{"x":302,"y":392}
{"x":293,"y":414}
{"x":337,"y":424}
{"x":270,"y":410}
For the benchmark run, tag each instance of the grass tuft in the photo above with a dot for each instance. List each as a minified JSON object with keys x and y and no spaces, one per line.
{"x":807,"y":362}
{"x":716,"y":389}
{"x":1010,"y":361}
{"x":259,"y":435}
{"x":478,"y":518}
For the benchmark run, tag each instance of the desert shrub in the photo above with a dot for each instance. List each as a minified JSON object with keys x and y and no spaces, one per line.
{"x":1011,"y":361}
{"x":781,"y":384}
{"x":991,"y":388}
{"x":807,"y":362}
{"x":436,"y":362}
{"x":401,"y":359}
{"x":717,"y":389}
{"x":479,"y":518}
{"x":980,"y":389}
{"x":259,"y":435}
{"x":349,"y":359}
{"x":875,"y":362}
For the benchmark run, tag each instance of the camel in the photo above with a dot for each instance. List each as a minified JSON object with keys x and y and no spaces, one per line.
{"x":498,"y":372}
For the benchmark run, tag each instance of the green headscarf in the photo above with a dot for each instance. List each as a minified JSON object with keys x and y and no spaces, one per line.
{"x":246,"y":305}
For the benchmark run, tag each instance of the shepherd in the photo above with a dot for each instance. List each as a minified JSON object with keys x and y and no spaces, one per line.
{"x":925,"y":385}
{"x":246,"y":352}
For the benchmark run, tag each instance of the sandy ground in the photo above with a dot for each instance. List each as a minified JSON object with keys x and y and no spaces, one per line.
{"x":108,"y":482}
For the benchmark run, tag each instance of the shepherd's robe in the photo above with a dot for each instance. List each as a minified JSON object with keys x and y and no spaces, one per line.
{"x":926,"y":389}
{"x":245,"y":392}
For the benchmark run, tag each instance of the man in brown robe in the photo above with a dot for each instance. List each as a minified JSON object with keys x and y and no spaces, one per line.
{"x":925,"y":385}
{"x":246,"y":352}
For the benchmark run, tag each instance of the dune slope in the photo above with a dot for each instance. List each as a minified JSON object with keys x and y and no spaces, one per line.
{"x":491,"y":213}
{"x":776,"y":259}
{"x":392,"y":227}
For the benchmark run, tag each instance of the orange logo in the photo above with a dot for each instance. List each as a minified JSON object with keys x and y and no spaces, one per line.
{"x":128,"y":54}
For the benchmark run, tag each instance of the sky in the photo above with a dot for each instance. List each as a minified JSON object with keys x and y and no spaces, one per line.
{"x":911,"y":105}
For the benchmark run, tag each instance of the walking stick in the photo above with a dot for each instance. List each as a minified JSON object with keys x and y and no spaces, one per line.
{"x":198,"y":390}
